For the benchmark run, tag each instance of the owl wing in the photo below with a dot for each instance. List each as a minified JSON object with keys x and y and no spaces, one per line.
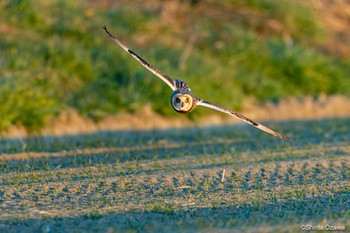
{"x":239,"y":116}
{"x":154,"y":70}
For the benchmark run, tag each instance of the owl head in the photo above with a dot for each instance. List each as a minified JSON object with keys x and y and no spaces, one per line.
{"x":182,"y":102}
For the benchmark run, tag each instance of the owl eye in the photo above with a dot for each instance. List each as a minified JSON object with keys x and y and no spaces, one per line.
{"x":177,"y":100}
{"x":186,"y":100}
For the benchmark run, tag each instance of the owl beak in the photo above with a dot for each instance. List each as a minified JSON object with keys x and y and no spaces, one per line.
{"x":182,"y":105}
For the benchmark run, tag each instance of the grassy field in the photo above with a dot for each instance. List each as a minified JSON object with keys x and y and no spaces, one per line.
{"x":170,"y":181}
{"x":55,"y":55}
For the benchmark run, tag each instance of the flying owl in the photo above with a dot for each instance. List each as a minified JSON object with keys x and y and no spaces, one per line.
{"x":182,"y":99}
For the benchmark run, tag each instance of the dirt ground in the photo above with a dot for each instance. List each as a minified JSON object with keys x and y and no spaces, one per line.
{"x":211,"y":179}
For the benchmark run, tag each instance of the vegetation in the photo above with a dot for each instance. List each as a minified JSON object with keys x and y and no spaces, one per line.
{"x":54,"y":55}
{"x":173,"y":180}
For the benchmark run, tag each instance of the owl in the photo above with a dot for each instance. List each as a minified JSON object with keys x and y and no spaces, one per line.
{"x":182,"y":100}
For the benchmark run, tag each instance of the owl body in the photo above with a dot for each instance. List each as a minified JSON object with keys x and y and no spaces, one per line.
{"x":179,"y":84}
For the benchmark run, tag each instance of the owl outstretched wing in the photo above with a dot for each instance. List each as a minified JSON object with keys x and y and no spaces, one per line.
{"x":171,"y":83}
{"x":240,"y":117}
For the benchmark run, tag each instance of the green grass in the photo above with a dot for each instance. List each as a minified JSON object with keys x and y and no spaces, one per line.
{"x":132,"y":181}
{"x":54,"y":56}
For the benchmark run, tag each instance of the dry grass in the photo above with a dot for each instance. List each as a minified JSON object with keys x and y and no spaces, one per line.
{"x":70,"y":122}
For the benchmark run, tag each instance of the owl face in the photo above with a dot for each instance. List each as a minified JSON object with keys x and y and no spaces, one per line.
{"x":182,"y":102}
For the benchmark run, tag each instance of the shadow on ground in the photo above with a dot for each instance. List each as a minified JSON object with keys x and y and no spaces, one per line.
{"x":314,"y":210}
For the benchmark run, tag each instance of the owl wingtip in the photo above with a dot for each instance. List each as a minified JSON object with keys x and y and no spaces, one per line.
{"x":281,"y":136}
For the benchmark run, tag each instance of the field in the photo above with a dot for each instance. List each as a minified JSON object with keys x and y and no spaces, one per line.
{"x":60,"y":74}
{"x":172,"y":180}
